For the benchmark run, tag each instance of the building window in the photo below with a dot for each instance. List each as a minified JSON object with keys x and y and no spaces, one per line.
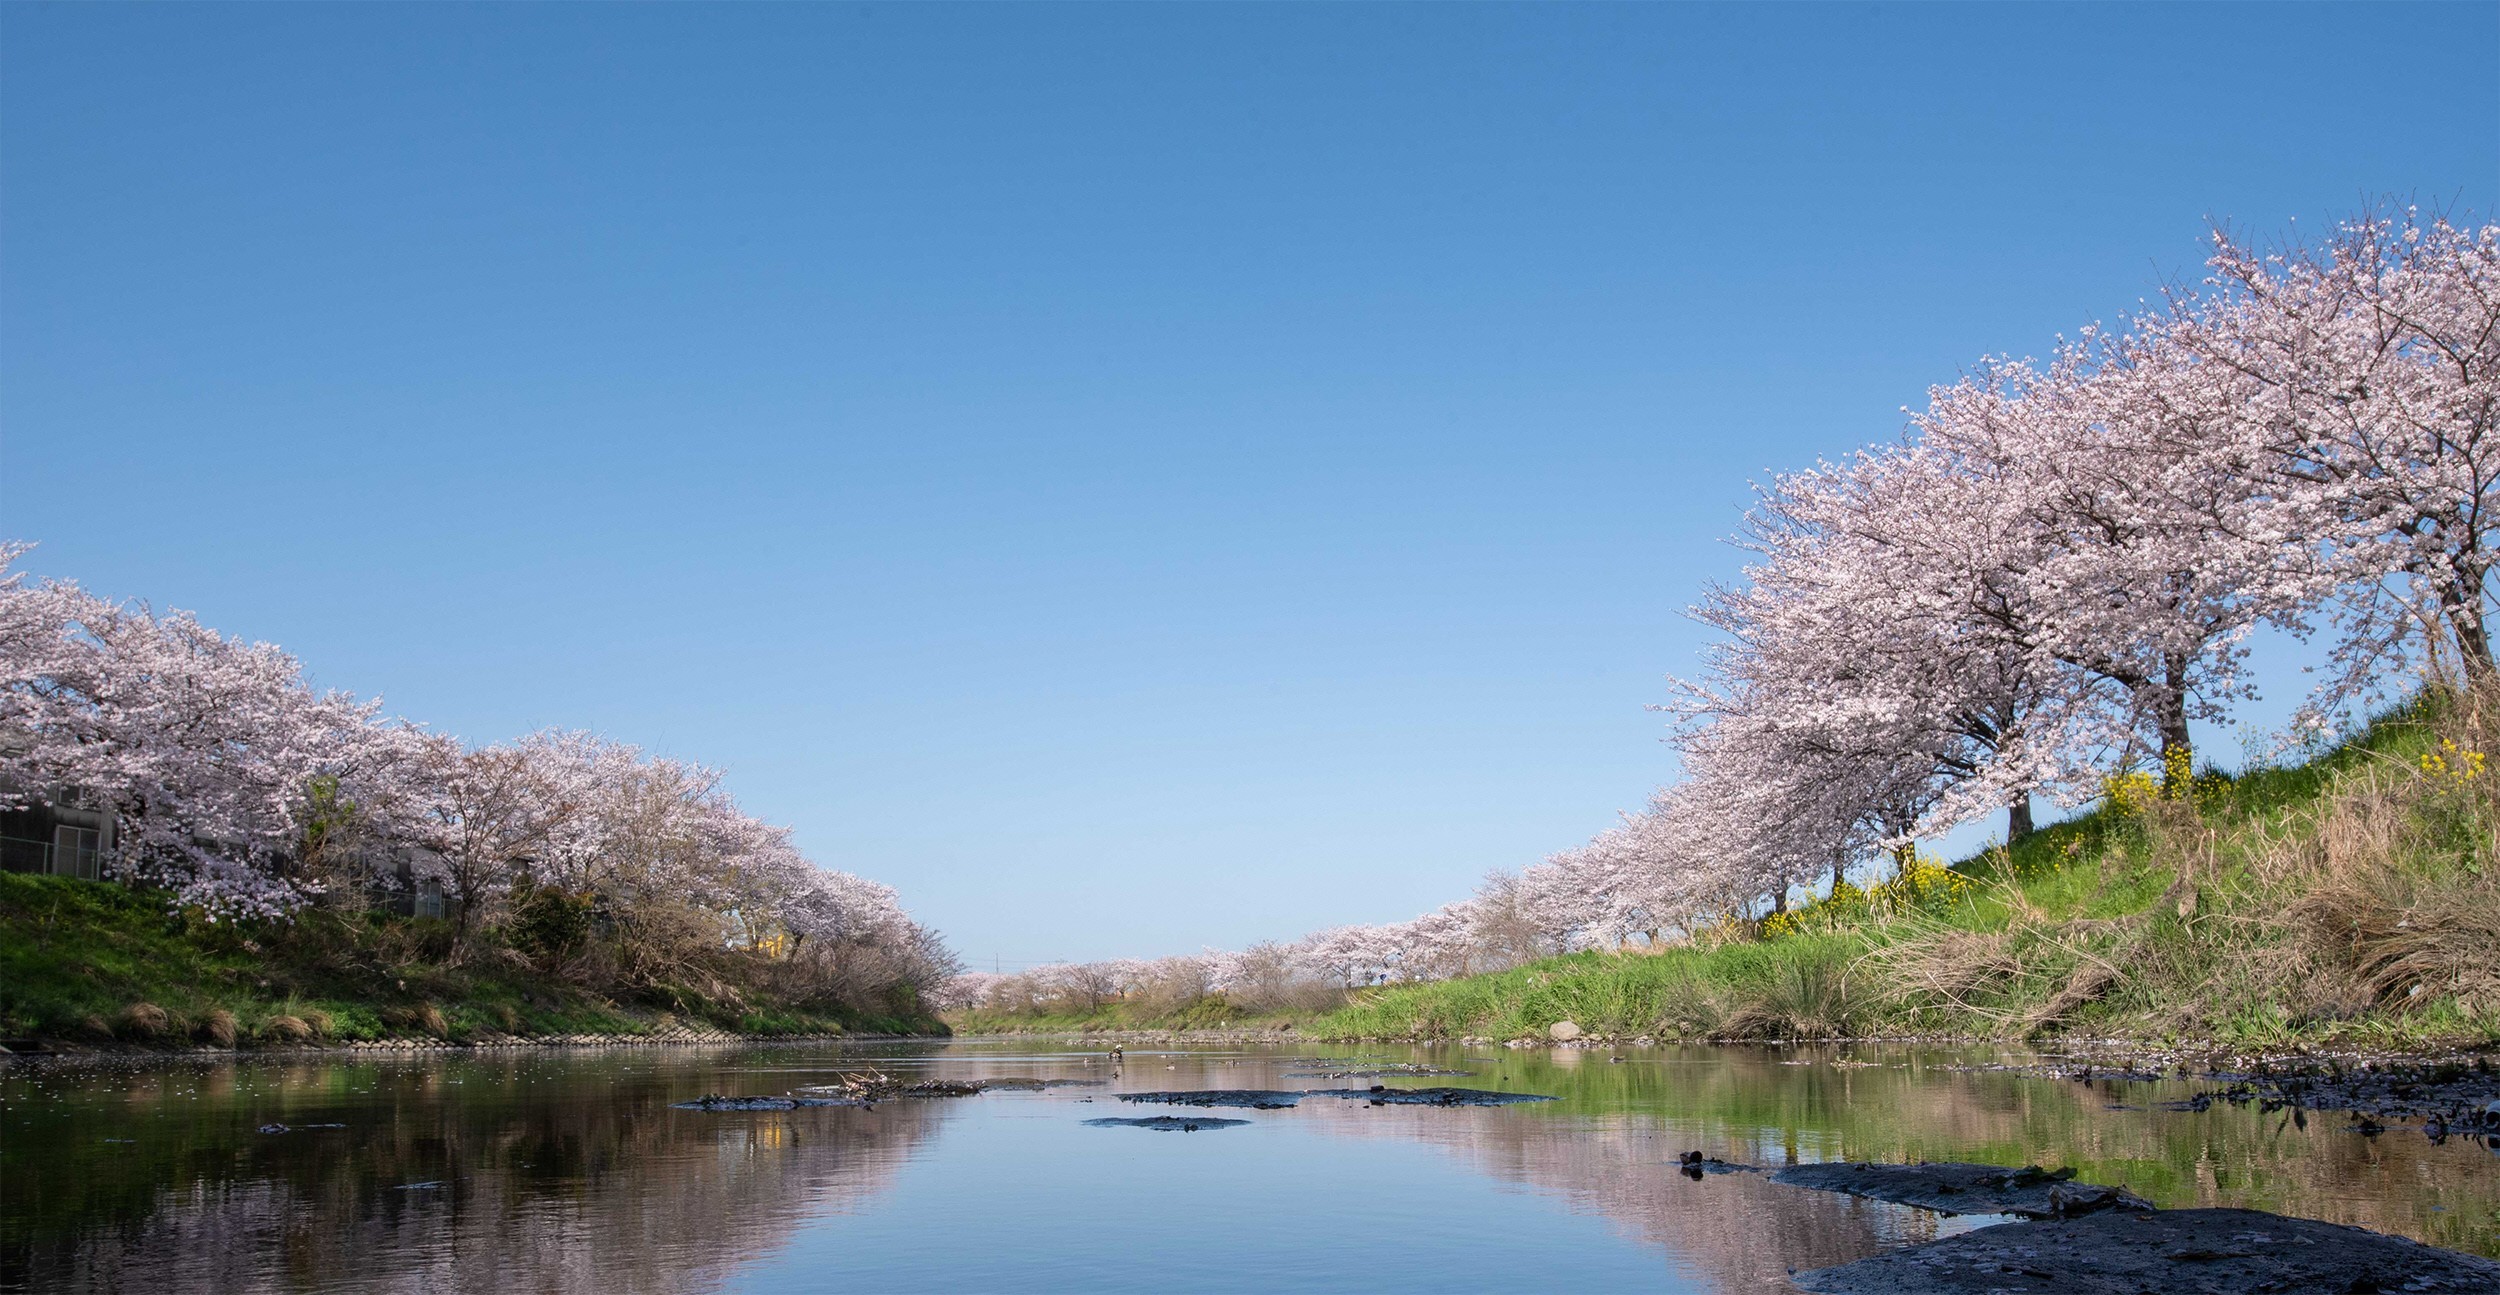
{"x":78,"y":852}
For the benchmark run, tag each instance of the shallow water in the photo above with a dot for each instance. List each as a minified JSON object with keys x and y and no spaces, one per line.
{"x":563,"y":1171}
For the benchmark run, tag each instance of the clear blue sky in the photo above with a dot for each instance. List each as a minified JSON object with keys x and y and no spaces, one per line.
{"x":1133,"y":478}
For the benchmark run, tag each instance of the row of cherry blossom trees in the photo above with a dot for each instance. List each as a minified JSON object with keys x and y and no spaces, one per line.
{"x":2050,"y":578}
{"x":247,"y":794}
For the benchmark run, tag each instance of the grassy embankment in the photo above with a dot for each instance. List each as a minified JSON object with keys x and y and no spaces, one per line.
{"x":1210,"y":1013}
{"x":94,"y":962}
{"x":2348,"y":901}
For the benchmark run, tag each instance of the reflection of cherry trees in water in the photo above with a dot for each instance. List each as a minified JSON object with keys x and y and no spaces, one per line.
{"x":485,"y":1184}
{"x":574,"y":1173}
{"x":1733,"y":1231}
{"x":1609,"y":1148}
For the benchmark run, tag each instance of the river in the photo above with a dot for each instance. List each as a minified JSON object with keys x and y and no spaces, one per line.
{"x":559,"y":1171}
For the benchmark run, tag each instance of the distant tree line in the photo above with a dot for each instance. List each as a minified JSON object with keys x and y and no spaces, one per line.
{"x":245,"y":794}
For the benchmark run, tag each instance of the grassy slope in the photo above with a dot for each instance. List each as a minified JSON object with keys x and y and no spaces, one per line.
{"x":2344,"y":901}
{"x":78,"y":959}
{"x":1211,"y":1013}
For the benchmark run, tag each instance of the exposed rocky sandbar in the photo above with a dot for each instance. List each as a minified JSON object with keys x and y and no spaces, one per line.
{"x":1953,"y":1187}
{"x":2172,"y":1252}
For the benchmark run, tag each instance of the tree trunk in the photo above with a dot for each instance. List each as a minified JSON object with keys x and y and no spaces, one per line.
{"x":1903,"y":855}
{"x":2018,"y":822}
{"x":2465,"y":618}
{"x":1839,"y":874}
{"x":2170,"y":717}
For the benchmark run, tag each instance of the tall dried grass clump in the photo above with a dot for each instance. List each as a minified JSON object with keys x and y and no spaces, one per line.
{"x":1806,"y":997}
{"x":218,"y":1027}
{"x":424,"y":1017}
{"x":144,"y":1021}
{"x":286,"y":1028}
{"x":1688,"y":1006}
{"x":2392,"y":900}
{"x":1952,"y":967}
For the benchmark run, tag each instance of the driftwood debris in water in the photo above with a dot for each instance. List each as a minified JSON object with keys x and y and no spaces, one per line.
{"x":2175,"y":1252}
{"x":1956,"y":1188}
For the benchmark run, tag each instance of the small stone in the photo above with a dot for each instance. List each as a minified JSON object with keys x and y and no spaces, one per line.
{"x":1563,"y":1031}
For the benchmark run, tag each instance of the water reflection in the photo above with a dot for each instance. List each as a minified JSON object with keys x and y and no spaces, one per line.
{"x":563,"y":1172}
{"x":547,"y":1174}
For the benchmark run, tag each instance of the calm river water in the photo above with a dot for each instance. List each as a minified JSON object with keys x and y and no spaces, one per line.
{"x":572,"y":1171}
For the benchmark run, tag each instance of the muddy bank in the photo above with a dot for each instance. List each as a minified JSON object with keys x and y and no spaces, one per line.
{"x":2174,"y":1252}
{"x":2439,"y":1096}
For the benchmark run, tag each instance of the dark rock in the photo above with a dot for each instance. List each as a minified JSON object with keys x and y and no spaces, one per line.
{"x":1168,"y":1123}
{"x":1955,"y":1188}
{"x":2175,"y":1252}
{"x":945,"y":1088}
{"x":1376,"y":1072}
{"x":1257,"y":1099}
{"x":1696,"y":1166}
{"x":715,"y":1102}
{"x":1268,"y":1099}
{"x":1432,"y":1096}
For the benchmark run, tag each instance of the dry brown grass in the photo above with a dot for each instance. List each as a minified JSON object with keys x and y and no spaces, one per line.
{"x":217,"y":1026}
{"x":286,"y":1029}
{"x":144,"y":1021}
{"x":2092,"y":979}
{"x":424,"y":1017}
{"x":2387,"y":899}
{"x":1954,"y":965}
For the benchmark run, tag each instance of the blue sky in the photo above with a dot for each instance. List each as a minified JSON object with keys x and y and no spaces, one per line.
{"x":1134,"y":478}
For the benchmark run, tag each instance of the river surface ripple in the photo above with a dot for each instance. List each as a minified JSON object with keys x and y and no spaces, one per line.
{"x":560,"y":1171}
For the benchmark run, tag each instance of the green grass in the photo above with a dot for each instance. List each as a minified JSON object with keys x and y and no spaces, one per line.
{"x":85,"y":961}
{"x":2348,"y":900}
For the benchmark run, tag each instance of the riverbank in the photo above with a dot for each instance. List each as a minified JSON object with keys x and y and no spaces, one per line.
{"x":2350,"y":902}
{"x":2346,"y":904}
{"x":95,"y":965}
{"x":664,"y":1036}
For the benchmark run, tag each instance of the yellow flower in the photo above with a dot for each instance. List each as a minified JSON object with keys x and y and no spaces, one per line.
{"x":2131,"y":793}
{"x":2452,"y":765}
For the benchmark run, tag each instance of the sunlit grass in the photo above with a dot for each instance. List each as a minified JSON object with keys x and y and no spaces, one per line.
{"x":2213,"y":918}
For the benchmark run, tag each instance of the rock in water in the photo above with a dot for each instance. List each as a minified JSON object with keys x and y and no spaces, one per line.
{"x":1955,"y":1188}
{"x":2175,"y":1252}
{"x":1257,"y":1099}
{"x":1563,"y":1031}
{"x":1169,"y":1123}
